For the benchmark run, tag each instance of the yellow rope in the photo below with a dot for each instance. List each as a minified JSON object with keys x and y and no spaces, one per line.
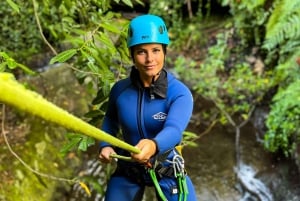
{"x":16,"y":95}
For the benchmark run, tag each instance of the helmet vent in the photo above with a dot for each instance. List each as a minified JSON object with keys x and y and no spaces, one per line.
{"x":130,"y":32}
{"x":161,"y":29}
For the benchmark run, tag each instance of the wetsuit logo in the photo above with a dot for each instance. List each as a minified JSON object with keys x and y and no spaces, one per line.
{"x":160,"y":116}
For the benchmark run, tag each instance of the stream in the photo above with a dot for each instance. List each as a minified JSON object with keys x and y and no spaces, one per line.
{"x":212,"y":168}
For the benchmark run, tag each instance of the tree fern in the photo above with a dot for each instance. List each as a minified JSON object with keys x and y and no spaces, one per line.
{"x":283,"y":23}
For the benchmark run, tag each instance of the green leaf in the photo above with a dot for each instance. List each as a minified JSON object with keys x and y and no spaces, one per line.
{"x":63,"y":56}
{"x":4,"y":55}
{"x":85,"y":143}
{"x":26,"y":69}
{"x":13,"y":5}
{"x":106,"y":41}
{"x":71,"y":145}
{"x":100,"y":97}
{"x":110,"y":27}
{"x":94,"y":113}
{"x":11,"y":63}
{"x":128,"y":3}
{"x":3,"y":66}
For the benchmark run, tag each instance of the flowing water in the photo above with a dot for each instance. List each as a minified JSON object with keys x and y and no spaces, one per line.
{"x":261,"y":176}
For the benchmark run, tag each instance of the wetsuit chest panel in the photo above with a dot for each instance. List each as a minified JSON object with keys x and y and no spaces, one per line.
{"x":155,"y":114}
{"x":143,"y":117}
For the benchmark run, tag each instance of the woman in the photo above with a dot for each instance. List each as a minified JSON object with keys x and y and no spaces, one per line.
{"x":151,"y":108}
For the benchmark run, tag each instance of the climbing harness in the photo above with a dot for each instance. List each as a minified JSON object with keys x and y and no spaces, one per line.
{"x":178,"y":170}
{"x":175,"y":169}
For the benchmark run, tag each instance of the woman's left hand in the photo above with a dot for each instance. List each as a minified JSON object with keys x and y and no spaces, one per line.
{"x":148,"y":149}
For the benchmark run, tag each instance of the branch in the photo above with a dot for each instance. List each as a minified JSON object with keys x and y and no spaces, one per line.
{"x":3,"y":132}
{"x":231,"y":121}
{"x":237,"y":129}
{"x":249,"y":115}
{"x":40,"y":27}
{"x":73,"y":181}
{"x":237,"y":137}
{"x":189,"y":6}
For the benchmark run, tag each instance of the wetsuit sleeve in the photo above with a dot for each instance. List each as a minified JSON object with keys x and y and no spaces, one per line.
{"x":180,"y":112}
{"x":110,"y":122}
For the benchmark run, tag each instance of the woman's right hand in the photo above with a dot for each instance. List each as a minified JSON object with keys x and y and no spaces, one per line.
{"x":104,"y":155}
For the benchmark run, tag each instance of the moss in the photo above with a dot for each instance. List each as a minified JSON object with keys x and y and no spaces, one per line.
{"x":40,"y":152}
{"x":38,"y":144}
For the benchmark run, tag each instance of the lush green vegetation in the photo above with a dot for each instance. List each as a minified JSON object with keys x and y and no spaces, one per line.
{"x":251,"y":56}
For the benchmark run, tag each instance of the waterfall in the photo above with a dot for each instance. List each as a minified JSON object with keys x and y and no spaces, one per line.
{"x":254,"y":189}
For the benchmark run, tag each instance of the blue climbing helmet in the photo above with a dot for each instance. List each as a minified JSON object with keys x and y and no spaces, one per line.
{"x":147,"y":29}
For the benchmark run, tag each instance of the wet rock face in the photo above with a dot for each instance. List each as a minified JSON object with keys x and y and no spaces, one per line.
{"x":59,"y":85}
{"x":258,"y":119}
{"x":296,"y":156}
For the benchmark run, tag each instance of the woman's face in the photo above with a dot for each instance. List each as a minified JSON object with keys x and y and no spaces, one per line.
{"x":149,"y":60}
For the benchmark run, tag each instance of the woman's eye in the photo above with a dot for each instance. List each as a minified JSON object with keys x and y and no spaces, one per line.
{"x":139,"y":52}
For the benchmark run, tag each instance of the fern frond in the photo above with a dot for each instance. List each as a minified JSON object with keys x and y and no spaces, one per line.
{"x":283,"y":23}
{"x":281,"y":9}
{"x":288,"y":70}
{"x":290,"y":46}
{"x":293,"y":31}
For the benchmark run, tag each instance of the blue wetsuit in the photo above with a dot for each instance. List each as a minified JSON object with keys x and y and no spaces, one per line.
{"x":161,"y":113}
